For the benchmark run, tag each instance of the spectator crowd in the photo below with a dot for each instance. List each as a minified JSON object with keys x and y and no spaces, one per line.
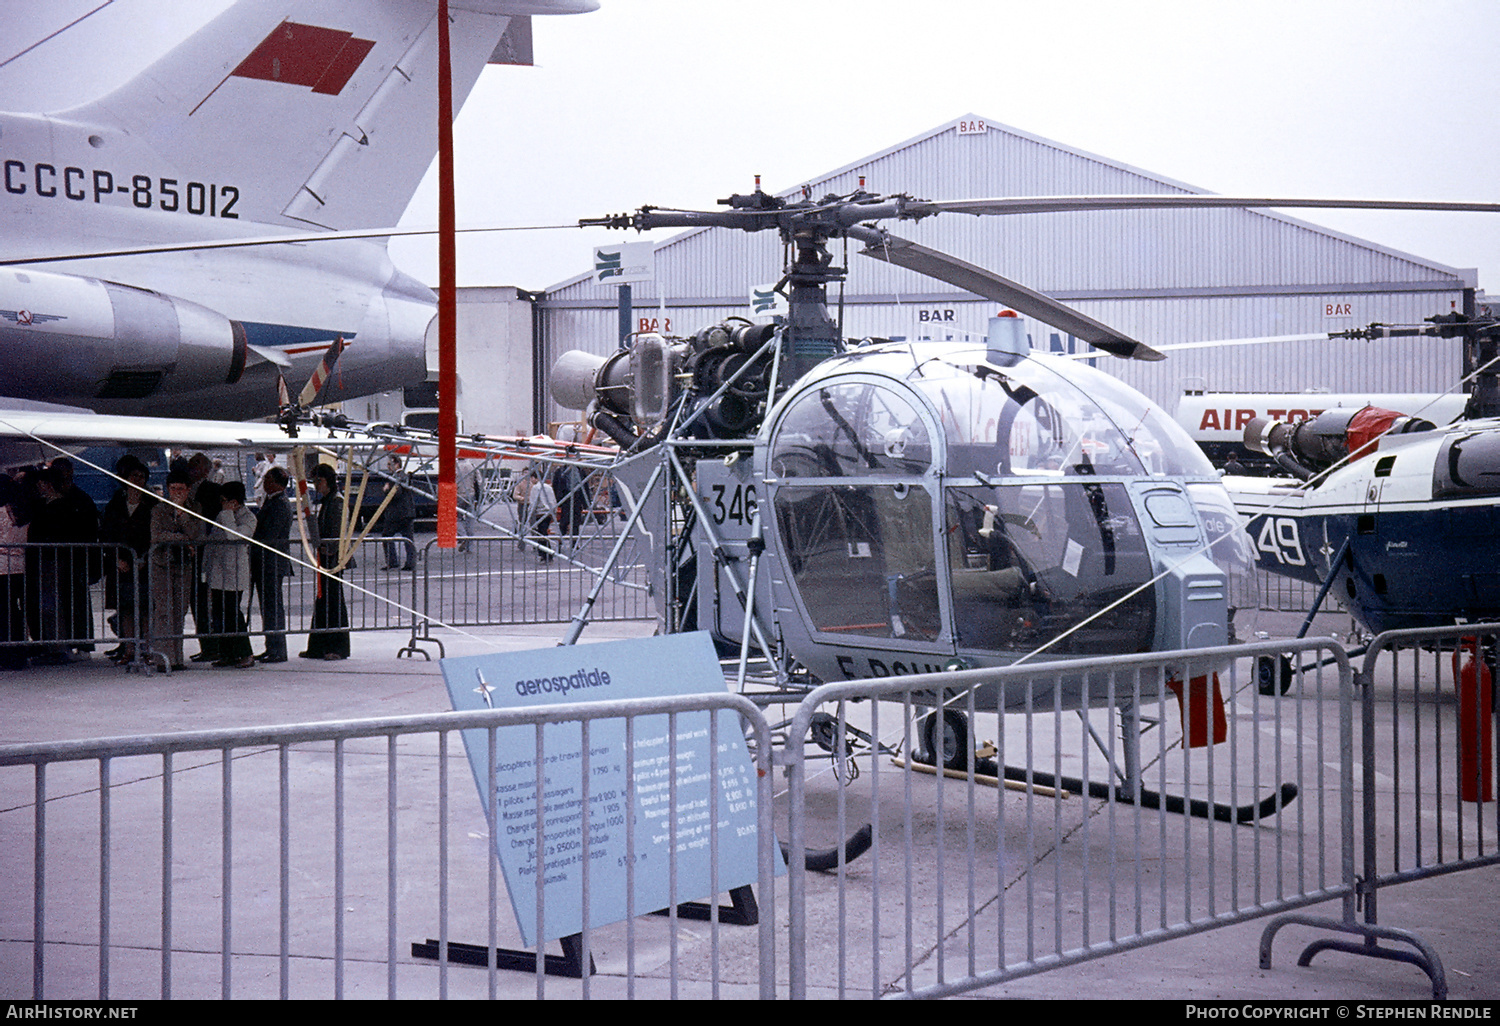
{"x":154,"y":560}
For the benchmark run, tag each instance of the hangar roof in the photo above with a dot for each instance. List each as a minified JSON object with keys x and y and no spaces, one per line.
{"x":1099,"y":255}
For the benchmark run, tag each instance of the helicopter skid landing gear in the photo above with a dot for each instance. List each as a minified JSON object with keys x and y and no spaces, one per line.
{"x":955,"y":742}
{"x":1196,"y":807}
{"x":825,"y":734}
{"x":825,"y":860}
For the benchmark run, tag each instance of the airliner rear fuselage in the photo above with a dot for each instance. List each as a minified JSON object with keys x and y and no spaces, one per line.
{"x":274,"y":117}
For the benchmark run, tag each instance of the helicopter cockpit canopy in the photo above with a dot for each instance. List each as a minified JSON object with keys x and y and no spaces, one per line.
{"x":928,"y":498}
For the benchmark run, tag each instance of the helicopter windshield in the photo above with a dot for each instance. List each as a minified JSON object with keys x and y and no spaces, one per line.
{"x":1020,"y":422}
{"x":851,"y":429}
{"x":1155,"y":438}
{"x":1030,"y":419}
{"x":977,"y":513}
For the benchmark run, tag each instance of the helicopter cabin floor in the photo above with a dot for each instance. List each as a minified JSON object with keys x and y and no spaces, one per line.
{"x":1458,"y":914}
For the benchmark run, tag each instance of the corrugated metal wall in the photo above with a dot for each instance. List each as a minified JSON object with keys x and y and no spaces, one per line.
{"x":1160,"y":276}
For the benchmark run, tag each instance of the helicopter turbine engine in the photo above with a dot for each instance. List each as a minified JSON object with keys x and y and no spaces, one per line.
{"x":630,"y":394}
{"x":1306,"y":448}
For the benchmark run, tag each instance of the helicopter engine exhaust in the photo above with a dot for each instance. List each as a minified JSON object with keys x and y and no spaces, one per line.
{"x":633,"y":391}
{"x":1305,"y":448}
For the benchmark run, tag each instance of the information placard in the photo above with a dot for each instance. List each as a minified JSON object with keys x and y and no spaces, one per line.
{"x":671,"y":665}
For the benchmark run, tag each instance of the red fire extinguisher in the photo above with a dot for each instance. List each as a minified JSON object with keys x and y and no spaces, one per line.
{"x":1475,"y":747}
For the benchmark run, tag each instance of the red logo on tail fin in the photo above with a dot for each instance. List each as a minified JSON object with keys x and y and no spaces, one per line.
{"x":306,"y":55}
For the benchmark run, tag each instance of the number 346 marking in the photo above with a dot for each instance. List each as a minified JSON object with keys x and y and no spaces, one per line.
{"x":741,"y":507}
{"x":1278,"y":537}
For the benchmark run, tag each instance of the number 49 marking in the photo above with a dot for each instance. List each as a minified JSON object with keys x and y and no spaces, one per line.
{"x":1278,"y":537}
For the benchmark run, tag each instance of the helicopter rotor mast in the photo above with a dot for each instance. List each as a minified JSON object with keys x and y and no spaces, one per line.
{"x":1481,"y":337}
{"x":806,"y":226}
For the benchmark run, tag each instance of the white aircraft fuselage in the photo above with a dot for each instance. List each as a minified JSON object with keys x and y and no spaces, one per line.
{"x":274,"y":118}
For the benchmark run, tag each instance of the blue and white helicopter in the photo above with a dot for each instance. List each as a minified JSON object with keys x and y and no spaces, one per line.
{"x":1397,"y":516}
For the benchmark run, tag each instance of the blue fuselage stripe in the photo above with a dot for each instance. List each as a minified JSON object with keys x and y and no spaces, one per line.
{"x":281,"y":335}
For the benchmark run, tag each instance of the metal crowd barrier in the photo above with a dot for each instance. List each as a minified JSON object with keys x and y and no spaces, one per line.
{"x":1106,"y":831}
{"x":495,"y":580}
{"x":967,"y":887}
{"x":76,"y":597}
{"x":73,"y":597}
{"x":376,"y":837}
{"x":1430,"y":811}
{"x":56,"y":602}
{"x":371,"y":598}
{"x":1281,"y":594}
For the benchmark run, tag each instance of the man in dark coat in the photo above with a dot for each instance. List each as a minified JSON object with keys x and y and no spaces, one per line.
{"x":328,"y":635}
{"x":70,"y":520}
{"x":204,"y":498}
{"x":570,"y":487}
{"x":399,"y":519}
{"x":126,"y":522}
{"x":273,"y":527}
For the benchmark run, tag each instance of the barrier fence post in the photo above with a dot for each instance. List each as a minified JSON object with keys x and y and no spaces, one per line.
{"x":1171,"y":850}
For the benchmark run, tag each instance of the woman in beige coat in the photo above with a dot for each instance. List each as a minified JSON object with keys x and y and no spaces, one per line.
{"x":226,"y":570}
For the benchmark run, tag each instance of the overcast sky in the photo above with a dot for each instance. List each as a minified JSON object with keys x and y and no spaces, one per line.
{"x":679,"y":102}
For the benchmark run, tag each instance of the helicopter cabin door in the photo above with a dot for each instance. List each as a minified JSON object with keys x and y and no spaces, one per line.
{"x":856,"y":510}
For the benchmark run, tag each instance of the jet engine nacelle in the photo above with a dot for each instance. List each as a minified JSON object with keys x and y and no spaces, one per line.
{"x":65,"y":337}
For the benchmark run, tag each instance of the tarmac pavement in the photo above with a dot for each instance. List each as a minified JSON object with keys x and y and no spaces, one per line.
{"x":1456,"y":914}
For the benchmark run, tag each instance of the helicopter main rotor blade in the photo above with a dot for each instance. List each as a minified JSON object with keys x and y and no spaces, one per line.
{"x":1018,"y":297}
{"x":1165,"y":201}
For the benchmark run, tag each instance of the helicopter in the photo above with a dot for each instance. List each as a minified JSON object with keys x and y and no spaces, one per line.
{"x":887,"y":508}
{"x":1392,"y":513}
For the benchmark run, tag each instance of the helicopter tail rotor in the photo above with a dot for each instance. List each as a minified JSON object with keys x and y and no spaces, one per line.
{"x":290,"y":413}
{"x":322,"y":373}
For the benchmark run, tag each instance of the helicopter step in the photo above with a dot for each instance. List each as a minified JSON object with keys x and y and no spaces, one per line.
{"x":954,"y":746}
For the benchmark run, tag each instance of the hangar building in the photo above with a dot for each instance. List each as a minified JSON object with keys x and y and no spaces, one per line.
{"x":1162,"y":277}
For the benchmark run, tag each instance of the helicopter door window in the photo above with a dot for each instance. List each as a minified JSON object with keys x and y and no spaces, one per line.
{"x":1031,"y":562}
{"x":851,"y":429}
{"x":856,"y":522}
{"x":862,"y":559}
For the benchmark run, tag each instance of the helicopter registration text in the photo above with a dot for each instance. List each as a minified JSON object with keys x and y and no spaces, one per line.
{"x":740,"y":507}
{"x":849,"y":666}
